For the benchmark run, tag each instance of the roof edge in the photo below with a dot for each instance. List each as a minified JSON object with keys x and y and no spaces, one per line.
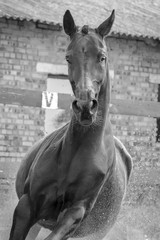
{"x":44,"y":24}
{"x":139,"y":37}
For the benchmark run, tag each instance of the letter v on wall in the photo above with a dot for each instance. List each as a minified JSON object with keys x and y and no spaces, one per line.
{"x":49,"y":100}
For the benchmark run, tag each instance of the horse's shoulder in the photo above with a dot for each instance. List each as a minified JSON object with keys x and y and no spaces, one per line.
{"x":34,"y":153}
{"x":126,"y":157}
{"x":48,"y":146}
{"x":57,"y":134}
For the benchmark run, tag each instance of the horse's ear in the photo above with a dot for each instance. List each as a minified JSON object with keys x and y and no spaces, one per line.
{"x":68,"y":24}
{"x":106,"y":26}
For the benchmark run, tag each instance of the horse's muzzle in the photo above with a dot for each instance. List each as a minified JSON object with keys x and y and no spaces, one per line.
{"x":85,"y":111}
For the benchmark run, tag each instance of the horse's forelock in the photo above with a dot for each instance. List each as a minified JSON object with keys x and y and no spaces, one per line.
{"x":90,"y":35}
{"x":85,"y":29}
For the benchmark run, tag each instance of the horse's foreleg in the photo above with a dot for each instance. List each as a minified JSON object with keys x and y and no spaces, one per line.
{"x":22,"y":219}
{"x":33,"y":232}
{"x":67,"y":224}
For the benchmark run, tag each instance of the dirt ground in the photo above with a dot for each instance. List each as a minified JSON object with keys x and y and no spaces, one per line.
{"x":8,"y":201}
{"x":132,"y":224}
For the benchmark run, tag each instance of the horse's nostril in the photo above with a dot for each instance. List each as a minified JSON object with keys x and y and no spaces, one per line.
{"x":94,"y":104}
{"x":76,"y":106}
{"x":74,"y":103}
{"x":80,"y":106}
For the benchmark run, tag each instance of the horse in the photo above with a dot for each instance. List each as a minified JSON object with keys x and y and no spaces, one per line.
{"x":73,"y":181}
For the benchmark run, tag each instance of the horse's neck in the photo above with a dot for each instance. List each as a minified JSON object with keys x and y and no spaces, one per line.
{"x":102,"y":119}
{"x":90,"y":140}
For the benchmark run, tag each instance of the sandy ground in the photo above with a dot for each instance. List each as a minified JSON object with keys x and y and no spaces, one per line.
{"x":124,"y":229}
{"x":8,"y":201}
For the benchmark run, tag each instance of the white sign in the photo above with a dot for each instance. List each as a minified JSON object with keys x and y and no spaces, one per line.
{"x":49,"y":100}
{"x":59,"y":86}
{"x":52,"y":68}
{"x":154,"y":78}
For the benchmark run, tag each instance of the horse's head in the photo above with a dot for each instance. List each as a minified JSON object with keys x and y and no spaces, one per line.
{"x":87,"y":65}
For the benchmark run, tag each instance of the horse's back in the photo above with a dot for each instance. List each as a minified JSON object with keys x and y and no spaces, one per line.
{"x":32,"y":154}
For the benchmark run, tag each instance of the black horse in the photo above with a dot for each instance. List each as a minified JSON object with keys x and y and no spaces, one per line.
{"x":73,"y":181}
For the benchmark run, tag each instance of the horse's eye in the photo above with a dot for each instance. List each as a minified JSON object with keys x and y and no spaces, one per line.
{"x":68,"y":59}
{"x":102,"y":58}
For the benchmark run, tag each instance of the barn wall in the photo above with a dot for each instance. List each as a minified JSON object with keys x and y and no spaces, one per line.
{"x":136,"y":66}
{"x":22,"y":46}
{"x":137,"y":69}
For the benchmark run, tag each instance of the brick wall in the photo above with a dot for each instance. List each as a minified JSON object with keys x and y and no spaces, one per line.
{"x":137,"y":69}
{"x":20,"y":128}
{"x":22,"y":46}
{"x":135,"y":63}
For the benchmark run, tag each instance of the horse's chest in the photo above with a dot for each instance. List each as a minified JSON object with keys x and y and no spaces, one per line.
{"x":76,"y":184}
{"x":83,"y":185}
{"x":68,"y":181}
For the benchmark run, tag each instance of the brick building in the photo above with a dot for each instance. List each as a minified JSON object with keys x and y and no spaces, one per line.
{"x":32,"y":50}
